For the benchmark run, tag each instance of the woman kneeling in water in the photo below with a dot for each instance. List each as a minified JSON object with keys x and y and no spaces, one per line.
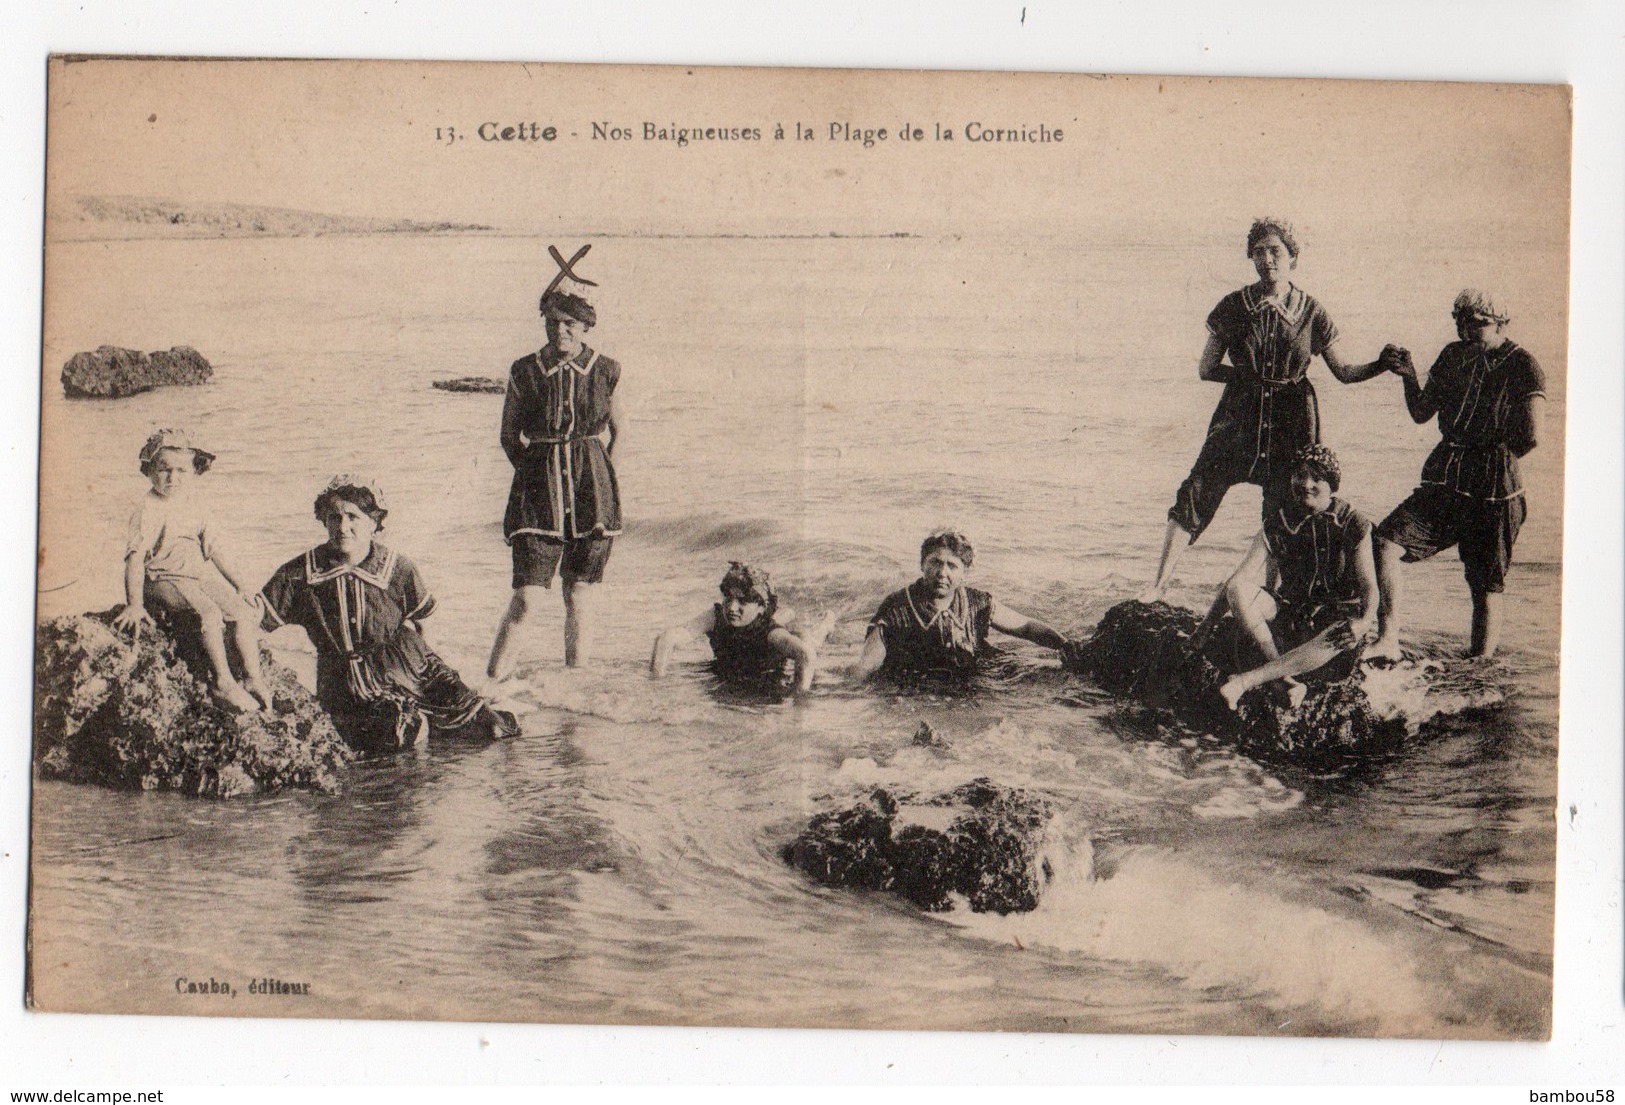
{"x":361,"y":604}
{"x":936,"y":627}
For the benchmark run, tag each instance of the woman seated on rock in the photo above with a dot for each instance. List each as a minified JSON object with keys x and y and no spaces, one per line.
{"x":361,"y":604}
{"x":1323,"y":604}
{"x":936,"y":627}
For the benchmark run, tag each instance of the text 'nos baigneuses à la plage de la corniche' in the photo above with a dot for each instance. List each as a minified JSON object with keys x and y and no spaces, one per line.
{"x":540,"y":134}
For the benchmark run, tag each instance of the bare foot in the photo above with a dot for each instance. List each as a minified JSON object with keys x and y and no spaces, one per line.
{"x":1153,"y":593}
{"x":1231,"y":691}
{"x":232,"y":697}
{"x":1295,"y":693}
{"x":1385,"y":647}
{"x":825,"y":624}
{"x":503,"y":723}
{"x":261,"y":693}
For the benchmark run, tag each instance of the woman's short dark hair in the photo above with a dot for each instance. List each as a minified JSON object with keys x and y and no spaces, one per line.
{"x":359,"y":496}
{"x":952,"y":540}
{"x":750,"y":584}
{"x":1322,"y":462}
{"x":1264,"y":227}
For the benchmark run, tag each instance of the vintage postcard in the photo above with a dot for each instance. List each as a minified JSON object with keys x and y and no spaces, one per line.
{"x":855,"y":549}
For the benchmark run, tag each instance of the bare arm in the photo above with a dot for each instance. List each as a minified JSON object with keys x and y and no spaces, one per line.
{"x":135,"y":580}
{"x":1418,"y":401}
{"x":801,"y":653}
{"x":1211,"y":366}
{"x":1365,"y":567}
{"x":1359,"y":629}
{"x":1017,"y":624}
{"x":1351,"y":373}
{"x":221,"y":561}
{"x":672,"y":636}
{"x":873,"y":655}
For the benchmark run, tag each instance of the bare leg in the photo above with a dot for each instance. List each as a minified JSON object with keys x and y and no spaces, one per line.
{"x":1215,"y":614}
{"x":246,"y":637}
{"x":1254,"y":608}
{"x":1174,"y":541}
{"x":1386,"y":646}
{"x":1486,"y":623}
{"x":578,"y":602}
{"x":1308,"y":656}
{"x":226,"y":689}
{"x":526,"y":601}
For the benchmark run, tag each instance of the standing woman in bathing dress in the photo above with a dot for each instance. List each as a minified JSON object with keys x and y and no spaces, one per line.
{"x":1261,"y":341}
{"x":559,"y":431}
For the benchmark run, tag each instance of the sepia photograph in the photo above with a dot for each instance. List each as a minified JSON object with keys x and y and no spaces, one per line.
{"x":729,"y":547}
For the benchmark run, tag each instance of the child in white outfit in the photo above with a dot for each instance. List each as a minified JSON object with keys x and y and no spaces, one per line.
{"x":174,"y":559}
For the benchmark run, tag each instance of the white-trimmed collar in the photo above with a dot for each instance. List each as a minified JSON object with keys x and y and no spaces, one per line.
{"x":382,"y":559}
{"x":948,"y":610}
{"x":1290,"y":306}
{"x":581,"y":362}
{"x":1286,"y":516}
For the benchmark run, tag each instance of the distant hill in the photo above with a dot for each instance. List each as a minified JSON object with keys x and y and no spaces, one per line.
{"x":143,"y":217}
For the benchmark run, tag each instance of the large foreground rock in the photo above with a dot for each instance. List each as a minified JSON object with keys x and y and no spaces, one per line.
{"x":112,"y":373}
{"x":987,"y":850}
{"x":140,"y":718}
{"x":1142,"y":651}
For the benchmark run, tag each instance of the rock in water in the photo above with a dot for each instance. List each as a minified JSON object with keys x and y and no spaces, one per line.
{"x":1143,"y":651}
{"x":483,"y":385}
{"x":990,"y":851}
{"x":926,"y":736}
{"x":139,"y":718}
{"x":112,"y":373}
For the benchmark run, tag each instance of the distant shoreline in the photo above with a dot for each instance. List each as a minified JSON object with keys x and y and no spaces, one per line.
{"x":134,"y":217}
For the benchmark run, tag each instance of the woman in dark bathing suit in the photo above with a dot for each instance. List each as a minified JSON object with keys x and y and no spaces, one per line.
{"x":1261,"y":342}
{"x":751,"y":638}
{"x":936,"y":627}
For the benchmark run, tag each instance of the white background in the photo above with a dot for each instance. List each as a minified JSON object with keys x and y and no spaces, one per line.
{"x":1582,"y":44}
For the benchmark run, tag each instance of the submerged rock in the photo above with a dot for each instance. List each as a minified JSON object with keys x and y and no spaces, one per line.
{"x":987,"y":850}
{"x":112,"y":373}
{"x":483,"y":385}
{"x":1143,"y":651}
{"x":138,"y":717}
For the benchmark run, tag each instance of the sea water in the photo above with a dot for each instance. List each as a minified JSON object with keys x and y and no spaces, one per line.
{"x":813,"y":406}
